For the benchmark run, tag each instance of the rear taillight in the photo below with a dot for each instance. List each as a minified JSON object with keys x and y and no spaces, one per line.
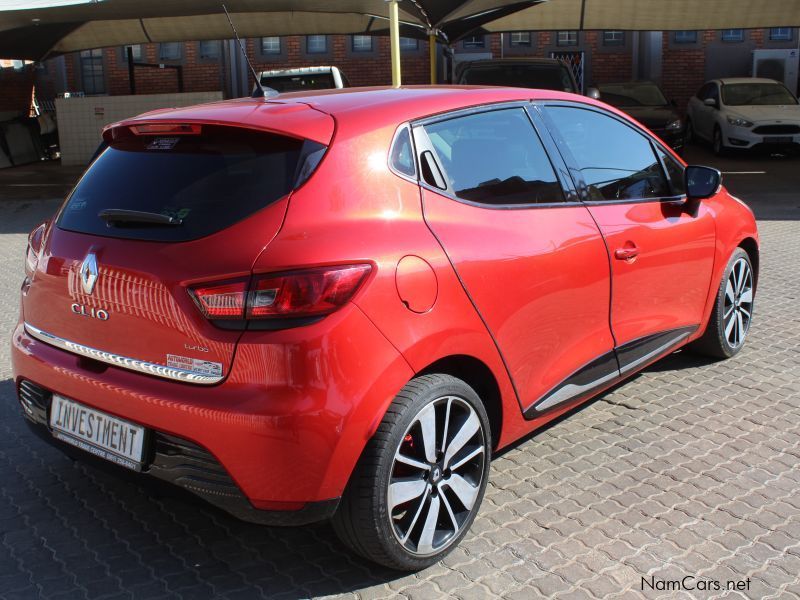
{"x":34,"y":249}
{"x":226,"y":301}
{"x":297,"y":294}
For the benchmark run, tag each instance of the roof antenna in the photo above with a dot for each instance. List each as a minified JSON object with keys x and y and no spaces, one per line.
{"x":260,"y":91}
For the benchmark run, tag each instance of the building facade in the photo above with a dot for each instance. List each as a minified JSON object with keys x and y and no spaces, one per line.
{"x":679,"y":60}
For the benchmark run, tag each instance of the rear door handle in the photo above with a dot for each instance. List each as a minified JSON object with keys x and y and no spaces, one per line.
{"x":629,"y":252}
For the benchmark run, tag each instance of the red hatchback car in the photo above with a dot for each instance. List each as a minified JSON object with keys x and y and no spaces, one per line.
{"x":340,"y":304}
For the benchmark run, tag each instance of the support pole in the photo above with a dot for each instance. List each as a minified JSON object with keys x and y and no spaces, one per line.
{"x":432,"y":55}
{"x":394,"y":36}
{"x":131,"y":71}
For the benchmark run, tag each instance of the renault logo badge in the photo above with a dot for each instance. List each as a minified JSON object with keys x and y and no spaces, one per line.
{"x":88,"y":273}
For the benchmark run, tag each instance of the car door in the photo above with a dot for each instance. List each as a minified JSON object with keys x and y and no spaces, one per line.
{"x":527,"y":252}
{"x":661,"y":247}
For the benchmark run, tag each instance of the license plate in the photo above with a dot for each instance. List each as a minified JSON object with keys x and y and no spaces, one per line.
{"x":778,"y":140}
{"x":94,"y":431}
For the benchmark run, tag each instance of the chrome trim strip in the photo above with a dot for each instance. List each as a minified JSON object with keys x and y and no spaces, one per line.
{"x":572,"y":390}
{"x":660,"y":350}
{"x":131,"y":364}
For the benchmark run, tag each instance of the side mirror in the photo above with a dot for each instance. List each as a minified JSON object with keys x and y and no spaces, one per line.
{"x":710,"y":102}
{"x":701,"y":182}
{"x":593,"y":93}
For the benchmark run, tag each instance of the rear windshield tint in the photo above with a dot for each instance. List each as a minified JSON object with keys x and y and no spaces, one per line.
{"x":208,"y":182}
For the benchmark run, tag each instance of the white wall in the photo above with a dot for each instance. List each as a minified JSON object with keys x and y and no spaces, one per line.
{"x":81,"y":120}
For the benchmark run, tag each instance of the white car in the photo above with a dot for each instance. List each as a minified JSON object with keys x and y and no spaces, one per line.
{"x":744,"y":112}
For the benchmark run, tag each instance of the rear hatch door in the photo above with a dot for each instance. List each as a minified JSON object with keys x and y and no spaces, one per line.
{"x":155,"y":215}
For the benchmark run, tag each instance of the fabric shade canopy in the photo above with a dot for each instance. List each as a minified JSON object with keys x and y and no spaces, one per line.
{"x":650,"y":15}
{"x":35,"y":30}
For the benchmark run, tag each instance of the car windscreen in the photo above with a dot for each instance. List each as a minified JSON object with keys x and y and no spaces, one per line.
{"x":756,"y":94}
{"x":205,"y":182}
{"x":621,"y":94}
{"x":294,"y":83}
{"x":547,"y":77}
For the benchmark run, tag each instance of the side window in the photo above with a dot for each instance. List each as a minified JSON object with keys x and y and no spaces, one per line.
{"x":674,"y":172}
{"x":402,"y":155}
{"x":615,"y":161}
{"x":495,"y":157}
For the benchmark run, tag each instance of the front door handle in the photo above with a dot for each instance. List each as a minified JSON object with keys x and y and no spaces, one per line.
{"x":629,"y":252}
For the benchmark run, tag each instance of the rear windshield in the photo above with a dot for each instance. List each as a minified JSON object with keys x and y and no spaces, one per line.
{"x":636,"y":94}
{"x":208,"y":182}
{"x":547,"y":77}
{"x":756,"y":94}
{"x":295,"y":83}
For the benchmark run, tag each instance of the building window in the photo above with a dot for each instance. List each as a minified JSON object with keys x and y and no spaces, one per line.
{"x":520,"y":38}
{"x":685,"y":37}
{"x":474,"y":41}
{"x":92,"y":75}
{"x":316,"y":44}
{"x":732,"y":35}
{"x":169,"y":51}
{"x":361,"y":43}
{"x":271,"y":45}
{"x":780,"y":34}
{"x":613,"y":38}
{"x":567,"y":38}
{"x":210,"y":49}
{"x":137,"y":52}
{"x":407,"y":43}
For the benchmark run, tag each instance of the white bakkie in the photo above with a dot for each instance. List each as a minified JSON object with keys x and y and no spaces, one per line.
{"x":744,"y":112}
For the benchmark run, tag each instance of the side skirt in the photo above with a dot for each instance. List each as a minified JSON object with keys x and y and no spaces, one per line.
{"x":610,"y":368}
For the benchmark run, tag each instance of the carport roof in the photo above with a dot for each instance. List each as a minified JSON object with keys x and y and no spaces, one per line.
{"x":36,"y":29}
{"x":651,"y":15}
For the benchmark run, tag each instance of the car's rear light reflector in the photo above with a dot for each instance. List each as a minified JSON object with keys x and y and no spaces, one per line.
{"x":305,"y":293}
{"x":226,"y":301}
{"x":167,"y":129}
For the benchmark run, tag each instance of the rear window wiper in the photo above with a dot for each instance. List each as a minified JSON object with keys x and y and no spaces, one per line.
{"x":136,"y":217}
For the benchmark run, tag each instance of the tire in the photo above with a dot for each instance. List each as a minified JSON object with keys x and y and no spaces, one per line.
{"x":730,"y":320}
{"x":717,"y":144}
{"x":396,"y":526}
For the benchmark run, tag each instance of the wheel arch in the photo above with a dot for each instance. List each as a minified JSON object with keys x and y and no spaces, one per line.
{"x":750,"y":246}
{"x":479,"y":377}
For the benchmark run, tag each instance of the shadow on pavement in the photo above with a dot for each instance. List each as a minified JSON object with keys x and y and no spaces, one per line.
{"x":63,"y":519}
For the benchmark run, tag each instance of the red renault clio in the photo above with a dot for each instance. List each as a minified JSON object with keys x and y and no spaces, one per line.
{"x":340,"y":304}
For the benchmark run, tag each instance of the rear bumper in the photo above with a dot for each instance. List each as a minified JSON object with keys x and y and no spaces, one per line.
{"x":277,"y":440}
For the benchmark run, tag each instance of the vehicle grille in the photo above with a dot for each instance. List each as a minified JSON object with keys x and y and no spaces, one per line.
{"x":190,"y":466}
{"x":34,"y":401}
{"x":777,"y":129}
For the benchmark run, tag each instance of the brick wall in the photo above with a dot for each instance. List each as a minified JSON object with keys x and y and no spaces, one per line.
{"x":683,"y":66}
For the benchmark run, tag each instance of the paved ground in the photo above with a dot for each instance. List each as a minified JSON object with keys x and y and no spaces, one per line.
{"x":689,"y":469}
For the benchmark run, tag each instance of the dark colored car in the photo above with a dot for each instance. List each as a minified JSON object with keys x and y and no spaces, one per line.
{"x":540,"y":73}
{"x":339,"y":304}
{"x":645,"y":102}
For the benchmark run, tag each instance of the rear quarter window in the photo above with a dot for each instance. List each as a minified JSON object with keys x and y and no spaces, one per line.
{"x":208,"y":181}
